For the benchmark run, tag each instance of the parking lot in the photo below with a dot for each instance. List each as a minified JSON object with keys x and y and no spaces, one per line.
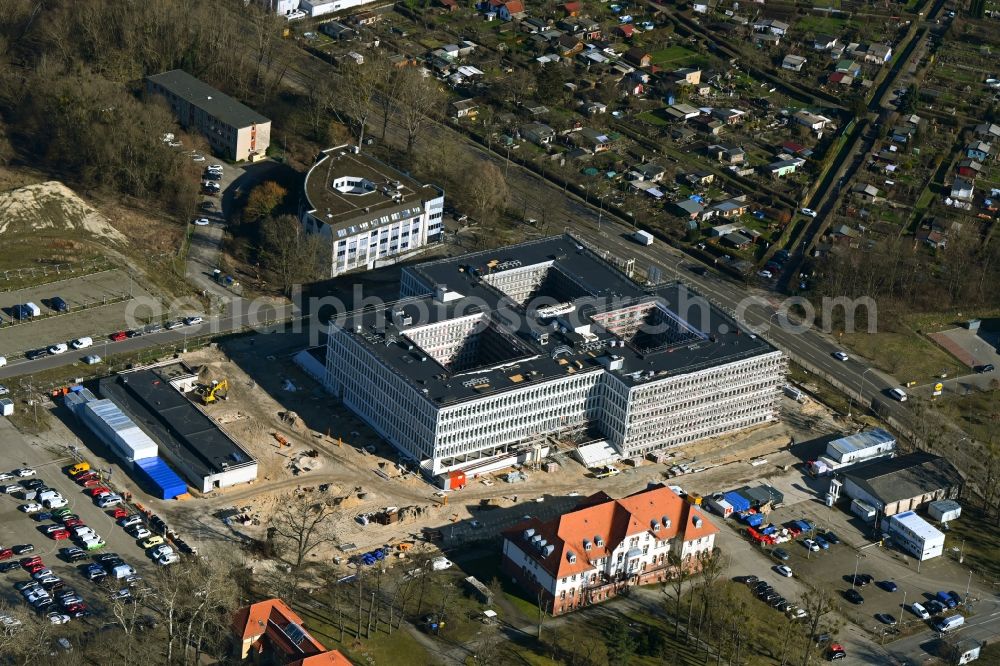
{"x":20,"y":528}
{"x":96,"y":309}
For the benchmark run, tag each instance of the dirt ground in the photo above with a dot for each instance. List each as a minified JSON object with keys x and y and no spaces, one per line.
{"x":343,"y":474}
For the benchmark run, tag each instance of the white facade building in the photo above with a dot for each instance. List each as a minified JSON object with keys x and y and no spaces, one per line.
{"x":872,"y":443}
{"x":371,"y":214}
{"x":915,"y":535}
{"x":495,"y":352}
{"x":595,"y":552}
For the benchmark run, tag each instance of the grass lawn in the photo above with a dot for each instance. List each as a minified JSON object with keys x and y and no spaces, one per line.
{"x":982,"y":542}
{"x":925,"y":198}
{"x":654,"y":117}
{"x":974,"y":413}
{"x":400,"y":648}
{"x":823,"y":24}
{"x":906,"y":355}
{"x":676,"y":56}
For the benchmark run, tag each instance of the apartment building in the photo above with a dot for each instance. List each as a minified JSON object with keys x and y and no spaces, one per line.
{"x":488,"y":357}
{"x":604,"y":546}
{"x":371,"y":214}
{"x":233,"y":129}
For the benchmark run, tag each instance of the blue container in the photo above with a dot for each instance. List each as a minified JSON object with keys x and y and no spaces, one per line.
{"x":157,"y":477}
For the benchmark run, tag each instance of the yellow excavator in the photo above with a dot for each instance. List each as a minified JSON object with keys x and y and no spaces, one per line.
{"x":214,"y":392}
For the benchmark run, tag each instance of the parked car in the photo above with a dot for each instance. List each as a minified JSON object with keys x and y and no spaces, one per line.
{"x":152,"y":541}
{"x":854,"y":597}
{"x":935,"y":607}
{"x":138,"y":532}
{"x":810,"y":545}
{"x":781,"y":554}
{"x":161,"y":550}
{"x":808,"y":211}
{"x":24,"y":472}
{"x":887,"y":585}
{"x":885,"y":618}
{"x":860,"y":579}
{"x":58,"y":304}
{"x":955,"y":596}
{"x":168,"y":558}
{"x":193,"y":321}
{"x":836,"y":652}
{"x":945,"y":599}
{"x":60,"y":348}
{"x":118,"y":336}
{"x":821,"y":542}
{"x":784,"y":570}
{"x":128,"y":521}
{"x":31,"y":508}
{"x":109,"y":500}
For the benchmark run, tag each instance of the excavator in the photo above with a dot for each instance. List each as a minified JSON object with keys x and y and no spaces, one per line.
{"x":209,"y":393}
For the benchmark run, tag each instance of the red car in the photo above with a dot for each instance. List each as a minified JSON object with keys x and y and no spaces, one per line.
{"x":72,"y":608}
{"x":118,"y":512}
{"x":6,"y":554}
{"x":119,"y":336}
{"x":34,"y":568}
{"x":92,"y":483}
{"x":97,"y":490}
{"x":86,"y":476}
{"x":72,"y":522}
{"x":30,"y":561}
{"x":60,"y":535}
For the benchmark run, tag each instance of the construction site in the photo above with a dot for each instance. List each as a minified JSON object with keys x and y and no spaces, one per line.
{"x":308,"y":446}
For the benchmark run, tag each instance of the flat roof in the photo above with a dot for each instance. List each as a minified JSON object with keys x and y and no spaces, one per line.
{"x":345,"y":189}
{"x":917,"y":525}
{"x":570,"y":327}
{"x":860,"y":441}
{"x":176,"y":423}
{"x":904,"y":477}
{"x":214,"y":102}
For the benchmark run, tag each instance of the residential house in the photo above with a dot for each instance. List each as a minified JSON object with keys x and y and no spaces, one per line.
{"x":533,"y":25}
{"x":969,"y":168}
{"x":729,"y":116}
{"x":605,"y":546}
{"x":813,"y":121}
{"x":766,"y":38}
{"x":465,"y":108}
{"x":902,"y":133}
{"x":590,"y":30}
{"x":700,"y":178}
{"x":988,"y":131}
{"x":687,"y":75}
{"x":962,"y":189}
{"x":793,"y":148}
{"x":866,"y":192}
{"x":708,"y":125}
{"x":364,"y":18}
{"x":935,"y":234}
{"x":737,"y":240}
{"x":878,"y":53}
{"x":824,"y":42}
{"x":730,"y":208}
{"x":726,"y":154}
{"x":625,"y":30}
{"x":650,"y":172}
{"x":638,"y":57}
{"x":793,"y":63}
{"x":840,"y":78}
{"x":847,"y":66}
{"x":538,"y":133}
{"x":682,"y":111}
{"x":506,"y":10}
{"x":569,"y":46}
{"x":688,"y":208}
{"x":449,"y":5}
{"x":979,"y":151}
{"x":595,"y":140}
{"x":270,"y":632}
{"x":594,"y":108}
{"x":784,"y":167}
{"x":773,"y":26}
{"x":572,"y":8}
{"x":843,"y":234}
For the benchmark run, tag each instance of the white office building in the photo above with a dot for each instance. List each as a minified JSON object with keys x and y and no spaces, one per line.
{"x":490,"y":355}
{"x":914,"y":535}
{"x":371,"y":214}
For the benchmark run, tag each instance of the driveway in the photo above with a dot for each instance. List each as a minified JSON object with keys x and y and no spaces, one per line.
{"x":206,"y":242}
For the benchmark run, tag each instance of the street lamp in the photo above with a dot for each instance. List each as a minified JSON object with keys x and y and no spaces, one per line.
{"x":861,"y":385}
{"x":857,"y":563}
{"x":961,"y":553}
{"x":968,"y":586}
{"x":902,"y":609}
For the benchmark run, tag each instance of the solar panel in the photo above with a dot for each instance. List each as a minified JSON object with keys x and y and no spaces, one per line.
{"x":295,"y":633}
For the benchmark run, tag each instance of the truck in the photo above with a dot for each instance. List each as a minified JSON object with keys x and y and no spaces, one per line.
{"x":606,"y":472}
{"x":643,"y":237}
{"x":120,"y":571}
{"x":863,"y":510}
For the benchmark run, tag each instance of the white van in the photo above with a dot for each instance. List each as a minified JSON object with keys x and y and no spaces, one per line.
{"x":949,"y":623}
{"x":920,"y":611}
{"x":3,"y":361}
{"x":82,"y":343}
{"x":48,"y":495}
{"x":898,"y":394}
{"x":440,"y":563}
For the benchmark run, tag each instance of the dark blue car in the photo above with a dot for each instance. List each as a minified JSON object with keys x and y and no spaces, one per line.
{"x":945,"y":599}
{"x":887,"y":585}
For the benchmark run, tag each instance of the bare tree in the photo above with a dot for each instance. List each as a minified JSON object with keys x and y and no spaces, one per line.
{"x":817,"y":603}
{"x":294,"y":254}
{"x":304,"y":525}
{"x":485,"y":190}
{"x":419,"y":99}
{"x":359,"y":91}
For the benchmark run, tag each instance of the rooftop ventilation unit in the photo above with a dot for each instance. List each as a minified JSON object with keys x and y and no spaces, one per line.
{"x":528,"y":533}
{"x":549,"y":550}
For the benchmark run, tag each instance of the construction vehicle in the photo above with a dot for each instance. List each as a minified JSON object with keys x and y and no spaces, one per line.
{"x":211,"y":393}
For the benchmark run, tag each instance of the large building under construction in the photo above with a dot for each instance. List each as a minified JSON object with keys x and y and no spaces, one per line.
{"x":487,"y":357}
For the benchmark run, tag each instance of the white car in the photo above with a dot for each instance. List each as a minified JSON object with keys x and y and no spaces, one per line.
{"x":840,"y":356}
{"x":198,"y":158}
{"x":129,"y":521}
{"x":765,"y":274}
{"x":82,"y":343}
{"x":167,"y":558}
{"x":58,"y":618}
{"x":4,"y":390}
{"x":919,"y":611}
{"x":214,"y":168}
{"x":811,"y":545}
{"x":4,"y":476}
{"x":784,"y":570}
{"x":92,"y":359}
{"x":109,"y":500}
{"x":60,"y":348}
{"x":56,"y":503}
{"x":10,"y":489}
{"x":809,"y":211}
{"x":193,"y":321}
{"x":3,"y":361}
{"x":295,"y":15}
{"x":139,"y":532}
{"x":161,"y":550}
{"x":25,"y":472}
{"x":202,"y":222}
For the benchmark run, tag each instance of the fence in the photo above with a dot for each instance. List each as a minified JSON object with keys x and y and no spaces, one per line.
{"x":59,"y":270}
